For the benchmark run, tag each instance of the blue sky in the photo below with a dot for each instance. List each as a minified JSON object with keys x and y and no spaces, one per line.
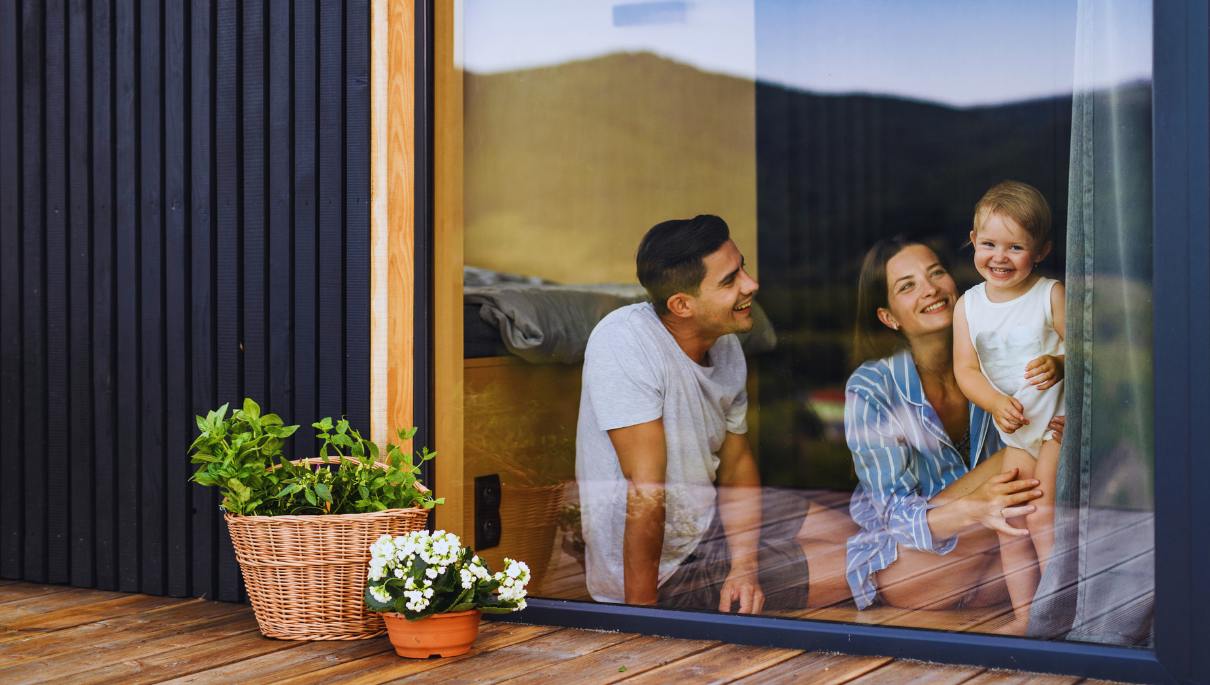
{"x":958,"y":52}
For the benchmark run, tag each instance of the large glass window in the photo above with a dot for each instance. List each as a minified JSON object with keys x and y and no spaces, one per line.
{"x":942,"y":210}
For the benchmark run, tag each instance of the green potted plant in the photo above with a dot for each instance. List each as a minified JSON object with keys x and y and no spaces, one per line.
{"x":432,"y":591}
{"x":301,"y":528}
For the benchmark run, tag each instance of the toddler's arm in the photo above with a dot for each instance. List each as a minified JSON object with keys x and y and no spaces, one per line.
{"x":1007,"y":411}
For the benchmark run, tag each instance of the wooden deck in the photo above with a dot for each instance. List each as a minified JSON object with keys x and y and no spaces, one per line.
{"x":60,"y":634}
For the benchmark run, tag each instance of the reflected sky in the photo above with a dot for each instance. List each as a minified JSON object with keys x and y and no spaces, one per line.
{"x":958,"y":52}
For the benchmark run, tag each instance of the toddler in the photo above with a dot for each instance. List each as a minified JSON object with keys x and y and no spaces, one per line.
{"x":1008,"y":359}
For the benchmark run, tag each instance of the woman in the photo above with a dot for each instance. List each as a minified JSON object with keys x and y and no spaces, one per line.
{"x":932,"y":493}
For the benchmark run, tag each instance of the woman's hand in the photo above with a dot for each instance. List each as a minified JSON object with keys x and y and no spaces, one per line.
{"x":1009,"y":414}
{"x":1003,"y":497}
{"x":1044,"y":372}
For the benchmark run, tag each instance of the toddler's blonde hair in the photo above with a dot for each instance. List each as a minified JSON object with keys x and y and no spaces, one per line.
{"x":1020,"y":202}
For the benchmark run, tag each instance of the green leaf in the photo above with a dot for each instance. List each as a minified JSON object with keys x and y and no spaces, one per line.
{"x":251,"y":408}
{"x":374,"y":604}
{"x":323,"y":491}
{"x":310,"y":495}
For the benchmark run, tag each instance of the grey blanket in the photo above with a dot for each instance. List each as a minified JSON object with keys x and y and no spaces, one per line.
{"x":550,"y":324}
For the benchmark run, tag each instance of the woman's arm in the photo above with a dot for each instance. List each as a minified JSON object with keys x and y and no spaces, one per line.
{"x":882,"y":459}
{"x":1008,"y":413}
{"x":989,"y":504}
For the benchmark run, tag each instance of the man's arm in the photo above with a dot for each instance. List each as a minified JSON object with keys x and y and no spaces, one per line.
{"x":643,"y":458}
{"x":739,"y":507}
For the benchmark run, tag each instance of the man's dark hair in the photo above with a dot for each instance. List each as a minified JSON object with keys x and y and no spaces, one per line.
{"x":670,"y":256}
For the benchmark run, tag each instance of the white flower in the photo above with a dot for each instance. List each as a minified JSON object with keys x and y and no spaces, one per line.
{"x":377,"y":569}
{"x":380,"y":593}
{"x":398,"y":573}
{"x":382,"y":548}
{"x":430,"y":572}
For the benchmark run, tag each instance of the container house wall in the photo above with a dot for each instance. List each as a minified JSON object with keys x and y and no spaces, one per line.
{"x":184,"y":220}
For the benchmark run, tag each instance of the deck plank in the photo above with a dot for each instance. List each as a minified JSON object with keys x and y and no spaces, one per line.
{"x":720,"y":664}
{"x":69,"y":617}
{"x":525,"y":657}
{"x":616,"y":662}
{"x":817,"y":668}
{"x":997,"y":677}
{"x":115,"y":663}
{"x":272,"y":667}
{"x":185,"y":660}
{"x":110,"y":634}
{"x":917,"y":673}
{"x":388,"y":666}
{"x":21,"y":591}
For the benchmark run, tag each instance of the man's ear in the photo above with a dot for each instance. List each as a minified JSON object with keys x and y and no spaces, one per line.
{"x":884,"y":315}
{"x":680,"y":305}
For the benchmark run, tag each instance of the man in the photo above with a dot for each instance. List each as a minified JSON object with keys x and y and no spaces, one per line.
{"x":669,"y":488}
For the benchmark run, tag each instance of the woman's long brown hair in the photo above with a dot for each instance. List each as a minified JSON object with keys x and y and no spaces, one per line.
{"x":872,"y":339}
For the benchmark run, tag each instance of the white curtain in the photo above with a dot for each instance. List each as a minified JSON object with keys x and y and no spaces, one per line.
{"x":1100,"y":584}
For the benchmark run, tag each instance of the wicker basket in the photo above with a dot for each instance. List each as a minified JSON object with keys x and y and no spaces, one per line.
{"x":306,"y":575}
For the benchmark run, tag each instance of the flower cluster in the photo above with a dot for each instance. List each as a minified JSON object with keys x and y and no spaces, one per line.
{"x":424,"y":573}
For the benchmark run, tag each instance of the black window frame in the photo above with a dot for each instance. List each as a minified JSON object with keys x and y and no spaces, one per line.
{"x":1181,"y":297}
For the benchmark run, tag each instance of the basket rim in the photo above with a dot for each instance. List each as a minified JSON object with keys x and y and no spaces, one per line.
{"x":300,"y":518}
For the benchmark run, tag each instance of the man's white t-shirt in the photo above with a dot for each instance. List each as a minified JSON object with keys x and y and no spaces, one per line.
{"x":635,"y":372}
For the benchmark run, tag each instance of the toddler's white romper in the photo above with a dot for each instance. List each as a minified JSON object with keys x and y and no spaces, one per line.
{"x":1009,"y":335}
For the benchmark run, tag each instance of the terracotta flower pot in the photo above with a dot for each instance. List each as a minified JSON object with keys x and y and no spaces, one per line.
{"x":439,"y":634}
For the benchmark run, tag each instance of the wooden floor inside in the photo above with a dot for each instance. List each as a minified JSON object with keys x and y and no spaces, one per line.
{"x":564,"y":579}
{"x":59,"y":634}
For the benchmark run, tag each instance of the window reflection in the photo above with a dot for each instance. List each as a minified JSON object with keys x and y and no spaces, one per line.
{"x":817,"y":131}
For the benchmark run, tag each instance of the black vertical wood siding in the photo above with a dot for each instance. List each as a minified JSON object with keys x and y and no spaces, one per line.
{"x":184,"y":219}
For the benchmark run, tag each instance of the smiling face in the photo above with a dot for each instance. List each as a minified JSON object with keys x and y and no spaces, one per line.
{"x":1005,"y":255}
{"x":724,"y":301}
{"x":920,"y":293}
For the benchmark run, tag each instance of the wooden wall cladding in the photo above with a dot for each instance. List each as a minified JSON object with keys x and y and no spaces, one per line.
{"x":184,"y":219}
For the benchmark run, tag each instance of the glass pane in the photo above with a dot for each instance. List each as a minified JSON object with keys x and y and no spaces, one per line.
{"x":864,"y":447}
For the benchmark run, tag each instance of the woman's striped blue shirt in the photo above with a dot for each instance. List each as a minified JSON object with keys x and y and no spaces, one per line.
{"x":903,"y":458}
